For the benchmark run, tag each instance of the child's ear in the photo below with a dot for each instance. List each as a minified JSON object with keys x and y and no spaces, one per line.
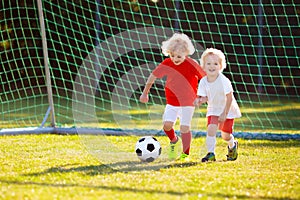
{"x":221,"y":67}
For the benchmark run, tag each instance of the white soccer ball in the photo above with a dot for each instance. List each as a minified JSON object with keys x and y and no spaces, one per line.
{"x":147,"y":149}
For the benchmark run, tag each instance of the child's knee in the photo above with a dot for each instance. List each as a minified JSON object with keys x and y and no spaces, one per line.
{"x":225,"y":136}
{"x":212,"y":130}
{"x":184,"y":129}
{"x":168,"y":125}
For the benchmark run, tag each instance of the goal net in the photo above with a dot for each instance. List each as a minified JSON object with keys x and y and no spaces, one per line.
{"x":89,"y":67}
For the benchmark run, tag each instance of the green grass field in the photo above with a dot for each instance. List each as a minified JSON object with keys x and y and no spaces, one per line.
{"x":66,"y":167}
{"x":61,"y":167}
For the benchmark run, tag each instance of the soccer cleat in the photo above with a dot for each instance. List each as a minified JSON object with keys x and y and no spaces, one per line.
{"x":174,"y":149}
{"x":233,"y":153}
{"x":210,"y":156}
{"x":184,"y":157}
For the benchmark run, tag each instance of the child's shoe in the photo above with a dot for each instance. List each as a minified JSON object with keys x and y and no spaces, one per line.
{"x":233,"y":153}
{"x":184,"y":157}
{"x":174,"y":149}
{"x":210,"y":156}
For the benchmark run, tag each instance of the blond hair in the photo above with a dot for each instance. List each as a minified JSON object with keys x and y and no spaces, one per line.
{"x":179,"y":41}
{"x":217,"y":52}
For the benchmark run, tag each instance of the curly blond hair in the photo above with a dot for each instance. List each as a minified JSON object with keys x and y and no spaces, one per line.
{"x":217,"y":52}
{"x":178,"y":42}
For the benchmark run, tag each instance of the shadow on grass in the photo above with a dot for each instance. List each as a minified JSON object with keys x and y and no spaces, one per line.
{"x":136,"y":190}
{"x":114,"y":188}
{"x":94,"y":170}
{"x":124,"y":167}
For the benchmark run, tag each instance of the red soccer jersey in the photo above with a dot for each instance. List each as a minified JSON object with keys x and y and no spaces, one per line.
{"x":182,"y":80}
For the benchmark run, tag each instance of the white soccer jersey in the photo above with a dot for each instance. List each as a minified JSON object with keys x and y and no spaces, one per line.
{"x":216,"y":94}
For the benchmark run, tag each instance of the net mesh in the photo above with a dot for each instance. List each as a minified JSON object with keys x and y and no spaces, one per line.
{"x":101,"y":53}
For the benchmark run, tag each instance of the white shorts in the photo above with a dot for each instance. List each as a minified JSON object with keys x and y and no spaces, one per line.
{"x":184,"y":113}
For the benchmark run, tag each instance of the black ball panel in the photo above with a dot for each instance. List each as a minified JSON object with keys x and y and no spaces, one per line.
{"x":138,"y":152}
{"x":150,"y":159}
{"x":150,"y":147}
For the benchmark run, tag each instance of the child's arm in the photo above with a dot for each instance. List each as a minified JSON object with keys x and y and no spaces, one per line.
{"x":144,"y":97}
{"x":223,"y":116}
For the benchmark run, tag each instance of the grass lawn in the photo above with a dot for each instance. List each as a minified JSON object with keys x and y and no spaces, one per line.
{"x":62,"y":167}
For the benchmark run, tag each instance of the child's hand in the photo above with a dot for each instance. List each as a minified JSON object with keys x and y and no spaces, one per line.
{"x":222,"y":117}
{"x":144,"y":98}
{"x":200,"y":100}
{"x":197,"y":101}
{"x":204,"y":100}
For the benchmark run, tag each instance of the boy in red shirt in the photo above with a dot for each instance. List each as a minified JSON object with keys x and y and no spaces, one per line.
{"x":182,"y":76}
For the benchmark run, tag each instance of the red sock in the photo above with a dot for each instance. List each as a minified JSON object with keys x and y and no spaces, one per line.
{"x":186,"y":142}
{"x":171,"y":134}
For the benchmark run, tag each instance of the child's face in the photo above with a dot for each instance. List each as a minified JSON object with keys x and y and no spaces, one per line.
{"x":177,"y":57}
{"x":212,"y":65}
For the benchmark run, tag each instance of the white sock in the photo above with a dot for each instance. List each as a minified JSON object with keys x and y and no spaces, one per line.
{"x":211,"y":143}
{"x":231,"y":141}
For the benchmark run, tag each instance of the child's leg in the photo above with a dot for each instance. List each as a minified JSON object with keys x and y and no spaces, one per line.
{"x":228,"y":137}
{"x":227,"y":128}
{"x":186,"y":137}
{"x":210,"y":142}
{"x":226,"y":132}
{"x":211,"y":137}
{"x":185,"y":117}
{"x":169,"y":118}
{"x":212,"y":127}
{"x":232,"y":146}
{"x":170,"y":132}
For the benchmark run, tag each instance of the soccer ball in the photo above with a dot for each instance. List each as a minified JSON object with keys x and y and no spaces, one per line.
{"x":147,"y":149}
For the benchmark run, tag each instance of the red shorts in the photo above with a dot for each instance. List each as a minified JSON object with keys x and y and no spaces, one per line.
{"x":226,"y":126}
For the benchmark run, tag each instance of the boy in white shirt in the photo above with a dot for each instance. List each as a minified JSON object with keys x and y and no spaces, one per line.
{"x":222,"y":108}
